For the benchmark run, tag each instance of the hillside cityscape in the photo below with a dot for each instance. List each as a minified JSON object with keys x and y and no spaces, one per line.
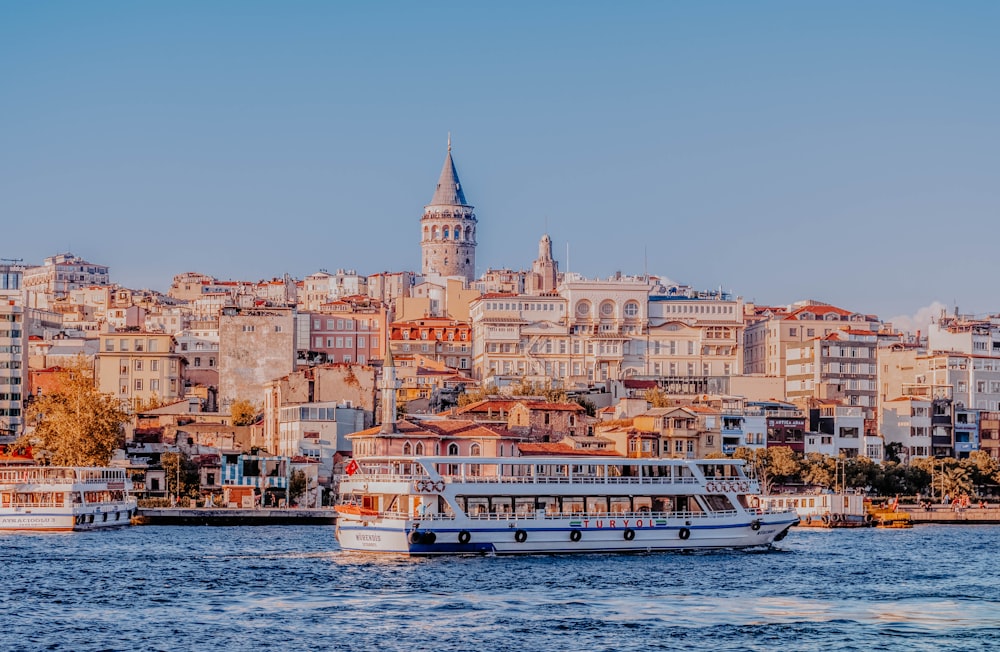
{"x":446,"y":360}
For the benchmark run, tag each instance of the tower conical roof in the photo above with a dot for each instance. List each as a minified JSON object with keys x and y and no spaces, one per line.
{"x":449,"y":189}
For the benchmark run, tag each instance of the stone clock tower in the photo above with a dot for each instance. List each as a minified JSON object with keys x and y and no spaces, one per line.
{"x":448,"y":229}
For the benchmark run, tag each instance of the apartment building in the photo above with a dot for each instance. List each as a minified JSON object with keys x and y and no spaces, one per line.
{"x":842,"y":365}
{"x":351,"y":329}
{"x":58,"y":275}
{"x":13,"y":352}
{"x":140,"y":367}
{"x":771,"y":330}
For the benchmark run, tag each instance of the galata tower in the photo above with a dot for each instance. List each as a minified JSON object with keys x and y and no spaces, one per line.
{"x":448,"y":228}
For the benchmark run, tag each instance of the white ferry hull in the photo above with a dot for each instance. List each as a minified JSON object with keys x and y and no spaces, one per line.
{"x":531,"y":537}
{"x":64,"y":499}
{"x":60,"y":520}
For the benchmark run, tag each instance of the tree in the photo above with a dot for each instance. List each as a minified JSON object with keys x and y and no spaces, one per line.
{"x":819,"y":470}
{"x":188,"y":481}
{"x":297,"y":485}
{"x":893,"y":452}
{"x":243,"y":412}
{"x":76,"y":425}
{"x":770,"y":465}
{"x":475,"y":395}
{"x":587,"y":405}
{"x":983,"y":470}
{"x":657,"y":398}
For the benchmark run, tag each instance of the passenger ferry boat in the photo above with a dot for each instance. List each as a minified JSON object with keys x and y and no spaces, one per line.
{"x":64,"y":498}
{"x":823,"y":510}
{"x":512,"y":505}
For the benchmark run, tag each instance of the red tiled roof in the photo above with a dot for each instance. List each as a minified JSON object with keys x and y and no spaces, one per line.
{"x":553,"y":407}
{"x":560,"y":449}
{"x":486,"y":405}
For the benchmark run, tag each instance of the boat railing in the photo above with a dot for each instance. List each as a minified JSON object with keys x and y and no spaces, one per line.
{"x":551,"y":516}
{"x":60,"y":475}
{"x":20,"y":504}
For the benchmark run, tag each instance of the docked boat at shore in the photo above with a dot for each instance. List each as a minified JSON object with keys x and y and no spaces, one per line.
{"x":64,"y":498}
{"x":517,"y":505}
{"x":824,"y":510}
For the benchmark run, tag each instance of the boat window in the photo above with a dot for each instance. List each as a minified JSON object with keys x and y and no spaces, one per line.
{"x":547,"y":503}
{"x":571,"y":504}
{"x":445,"y":508}
{"x":664,"y":505}
{"x":597,"y":505}
{"x":463,"y":503}
{"x":718,"y":503}
{"x":501,"y":504}
{"x":477,"y":505}
{"x":642,"y":504}
{"x":524,"y":505}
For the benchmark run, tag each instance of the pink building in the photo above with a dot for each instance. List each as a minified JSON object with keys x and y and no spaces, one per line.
{"x":351,"y":330}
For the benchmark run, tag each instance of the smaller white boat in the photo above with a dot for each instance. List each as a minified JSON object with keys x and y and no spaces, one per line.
{"x":829,"y":510}
{"x":64,"y":498}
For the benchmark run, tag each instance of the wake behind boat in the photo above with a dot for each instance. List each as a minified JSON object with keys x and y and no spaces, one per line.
{"x":64,"y":498}
{"x":517,"y":505}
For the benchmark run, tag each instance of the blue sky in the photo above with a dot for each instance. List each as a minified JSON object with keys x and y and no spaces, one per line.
{"x":846,"y":152}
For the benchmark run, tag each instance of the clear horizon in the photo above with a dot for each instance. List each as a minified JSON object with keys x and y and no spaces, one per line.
{"x":780,"y":151}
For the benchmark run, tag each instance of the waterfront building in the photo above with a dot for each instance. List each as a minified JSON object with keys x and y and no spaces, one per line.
{"x":907,"y":422}
{"x":448,"y":229}
{"x":350,"y":386}
{"x":319,"y":431}
{"x":139,"y":368}
{"x":13,"y":352}
{"x":839,"y":431}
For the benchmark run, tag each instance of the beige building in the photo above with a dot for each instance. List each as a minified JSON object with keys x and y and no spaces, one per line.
{"x":770,"y":331}
{"x":593,"y":331}
{"x":256,"y":346}
{"x":62,"y":273}
{"x":690,"y":432}
{"x":139,"y":368}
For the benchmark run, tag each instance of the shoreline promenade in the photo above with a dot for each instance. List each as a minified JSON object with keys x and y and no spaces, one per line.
{"x":228,"y":516}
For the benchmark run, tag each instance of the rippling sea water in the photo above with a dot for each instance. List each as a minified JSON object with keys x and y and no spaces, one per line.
{"x":291,"y":588}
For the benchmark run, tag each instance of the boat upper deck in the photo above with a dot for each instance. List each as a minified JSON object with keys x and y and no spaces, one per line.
{"x":62,"y":475}
{"x":553,"y":470}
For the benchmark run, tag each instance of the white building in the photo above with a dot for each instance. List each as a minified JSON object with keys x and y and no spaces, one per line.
{"x":13,"y":352}
{"x":318,"y":431}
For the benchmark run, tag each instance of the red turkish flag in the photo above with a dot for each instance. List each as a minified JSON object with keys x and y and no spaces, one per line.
{"x":351,"y":468}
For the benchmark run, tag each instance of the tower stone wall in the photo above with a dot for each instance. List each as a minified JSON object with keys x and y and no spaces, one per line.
{"x":448,"y":229}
